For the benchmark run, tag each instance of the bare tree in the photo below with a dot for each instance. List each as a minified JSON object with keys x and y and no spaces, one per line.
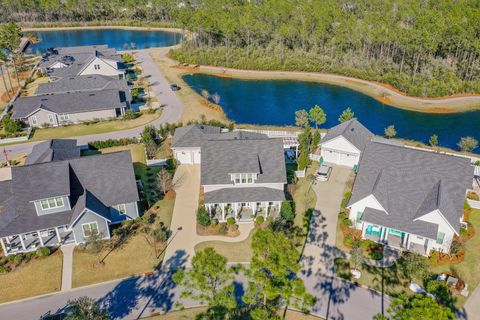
{"x":205,"y":94}
{"x":151,"y":149}
{"x":164,"y":180}
{"x":216,"y":98}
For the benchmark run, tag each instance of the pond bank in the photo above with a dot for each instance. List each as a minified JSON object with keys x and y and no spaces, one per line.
{"x":379,"y":91}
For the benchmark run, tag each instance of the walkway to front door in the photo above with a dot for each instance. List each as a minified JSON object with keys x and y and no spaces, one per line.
{"x":67,"y":266}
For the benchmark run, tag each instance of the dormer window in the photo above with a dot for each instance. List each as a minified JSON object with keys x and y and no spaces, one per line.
{"x":243,"y":178}
{"x":52,"y":203}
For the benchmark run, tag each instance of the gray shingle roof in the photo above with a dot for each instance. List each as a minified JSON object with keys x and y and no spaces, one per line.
{"x":408,"y":183}
{"x":109,"y":178}
{"x":76,"y":58}
{"x":72,"y":102}
{"x":83,"y":83}
{"x":353,"y":131}
{"x":252,"y":194}
{"x":88,"y":201}
{"x":192,"y":136}
{"x":53,"y":150}
{"x":220,"y":158}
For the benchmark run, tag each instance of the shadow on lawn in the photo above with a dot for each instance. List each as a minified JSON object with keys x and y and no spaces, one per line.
{"x":141,"y":296}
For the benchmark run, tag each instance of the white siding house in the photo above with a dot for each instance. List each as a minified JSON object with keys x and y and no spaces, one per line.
{"x":343,"y":144}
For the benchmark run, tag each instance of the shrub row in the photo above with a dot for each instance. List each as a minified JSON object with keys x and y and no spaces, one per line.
{"x":112,"y":143}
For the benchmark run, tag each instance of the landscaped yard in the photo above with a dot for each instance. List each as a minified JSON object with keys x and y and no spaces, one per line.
{"x":39,"y":276}
{"x":469,"y":268}
{"x":191,"y":313}
{"x":136,"y":150}
{"x":101,"y":127}
{"x":304,"y":196}
{"x":233,"y":251}
{"x":135,"y":257}
{"x":393,"y":282}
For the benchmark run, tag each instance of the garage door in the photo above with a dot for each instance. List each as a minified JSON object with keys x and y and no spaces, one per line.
{"x":347,"y":160}
{"x":184,"y":157}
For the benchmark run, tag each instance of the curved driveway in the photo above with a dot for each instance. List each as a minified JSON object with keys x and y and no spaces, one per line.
{"x":171,"y":105}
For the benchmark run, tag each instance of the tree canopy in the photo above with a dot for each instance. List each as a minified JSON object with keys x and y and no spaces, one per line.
{"x":425,"y":48}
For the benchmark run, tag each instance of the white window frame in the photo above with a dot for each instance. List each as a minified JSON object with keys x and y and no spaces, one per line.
{"x":34,"y":120}
{"x":64,"y":116}
{"x":124,"y":211}
{"x":243,"y":178}
{"x":96,"y":66}
{"x":89,"y":224}
{"x":52,"y":203}
{"x":51,"y":118}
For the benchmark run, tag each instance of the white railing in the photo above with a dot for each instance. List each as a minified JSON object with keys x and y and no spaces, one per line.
{"x":274,"y":133}
{"x":315,"y":157}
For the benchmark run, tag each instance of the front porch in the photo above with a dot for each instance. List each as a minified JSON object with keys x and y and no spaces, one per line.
{"x":394,"y":239}
{"x":243,"y":211}
{"x":31,"y":241}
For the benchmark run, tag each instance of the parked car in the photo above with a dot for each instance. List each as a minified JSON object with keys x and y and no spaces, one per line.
{"x":174,"y":87}
{"x":323,"y":174}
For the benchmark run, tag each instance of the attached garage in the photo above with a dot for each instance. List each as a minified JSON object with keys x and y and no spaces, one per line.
{"x":343,"y":144}
{"x":340,"y":158}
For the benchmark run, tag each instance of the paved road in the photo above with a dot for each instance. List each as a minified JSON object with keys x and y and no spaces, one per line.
{"x":336,"y":298}
{"x":170,"y":103}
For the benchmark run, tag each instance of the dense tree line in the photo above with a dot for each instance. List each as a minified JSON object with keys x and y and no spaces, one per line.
{"x":426,"y":48}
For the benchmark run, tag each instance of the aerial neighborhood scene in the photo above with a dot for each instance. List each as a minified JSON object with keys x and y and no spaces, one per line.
{"x":231,"y":160}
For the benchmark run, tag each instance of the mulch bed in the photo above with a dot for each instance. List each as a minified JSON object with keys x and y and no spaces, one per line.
{"x":215,"y":231}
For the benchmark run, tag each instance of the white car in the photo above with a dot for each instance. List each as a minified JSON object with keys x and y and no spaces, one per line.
{"x":323,"y":174}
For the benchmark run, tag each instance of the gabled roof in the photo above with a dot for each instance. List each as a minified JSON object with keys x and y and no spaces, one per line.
{"x":353,"y":131}
{"x":192,"y":136}
{"x":72,"y":102}
{"x":93,"y":182}
{"x":410,"y":183}
{"x":88,"y":201}
{"x":75,"y":59}
{"x":83,"y":83}
{"x":53,"y":150}
{"x":220,"y":158}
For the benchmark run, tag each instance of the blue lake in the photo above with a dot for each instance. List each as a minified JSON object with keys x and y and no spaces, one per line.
{"x":274,"y":102}
{"x":119,"y":39}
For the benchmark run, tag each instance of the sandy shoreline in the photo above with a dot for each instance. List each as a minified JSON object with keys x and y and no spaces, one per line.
{"x":103,"y":27}
{"x":380,"y":91}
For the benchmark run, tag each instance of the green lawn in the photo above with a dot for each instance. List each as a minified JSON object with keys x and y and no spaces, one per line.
{"x":133,"y":258}
{"x":101,"y":127}
{"x":233,"y":251}
{"x":39,"y":276}
{"x":304,"y":196}
{"x":469,"y":268}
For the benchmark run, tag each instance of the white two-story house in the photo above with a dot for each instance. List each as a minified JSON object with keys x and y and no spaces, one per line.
{"x":243,"y":174}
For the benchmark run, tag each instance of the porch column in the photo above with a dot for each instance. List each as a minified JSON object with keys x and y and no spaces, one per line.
{"x":254,"y":208}
{"x":235,"y":208}
{"x":40,"y":238}
{"x":23,"y":243}
{"x":223,"y":211}
{"x":405,"y":240}
{"x":266,"y":208}
{"x":296,"y":151}
{"x":363,"y":230}
{"x":58,"y":235}
{"x":3,"y":246}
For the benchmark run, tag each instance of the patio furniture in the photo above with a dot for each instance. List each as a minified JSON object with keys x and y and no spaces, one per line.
{"x":416,"y":288}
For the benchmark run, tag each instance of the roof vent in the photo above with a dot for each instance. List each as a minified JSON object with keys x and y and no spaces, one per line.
{"x":44,"y":99}
{"x":91,"y":94}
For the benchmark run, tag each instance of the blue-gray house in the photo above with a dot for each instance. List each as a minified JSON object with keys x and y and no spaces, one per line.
{"x":59,"y":197}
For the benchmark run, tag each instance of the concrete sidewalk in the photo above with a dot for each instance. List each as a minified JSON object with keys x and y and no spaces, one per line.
{"x":67,"y":266}
{"x":184,"y":221}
